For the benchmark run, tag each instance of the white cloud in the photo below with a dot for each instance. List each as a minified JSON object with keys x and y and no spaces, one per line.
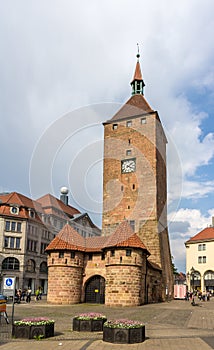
{"x":185,"y":223}
{"x":58,"y":56}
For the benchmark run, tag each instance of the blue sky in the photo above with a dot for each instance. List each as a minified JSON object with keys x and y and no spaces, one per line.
{"x":67,"y":60}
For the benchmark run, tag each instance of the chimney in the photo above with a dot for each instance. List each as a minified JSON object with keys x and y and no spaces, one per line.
{"x":64,"y":195}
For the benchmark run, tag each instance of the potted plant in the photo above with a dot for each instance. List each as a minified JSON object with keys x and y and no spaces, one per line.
{"x":89,"y":322}
{"x":123,"y":331}
{"x":34,"y":327}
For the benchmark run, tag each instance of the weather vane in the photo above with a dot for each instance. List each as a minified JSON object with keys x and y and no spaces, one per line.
{"x":138,"y":51}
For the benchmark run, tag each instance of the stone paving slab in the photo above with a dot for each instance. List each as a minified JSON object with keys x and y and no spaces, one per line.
{"x":149,"y":344}
{"x":175,"y":325}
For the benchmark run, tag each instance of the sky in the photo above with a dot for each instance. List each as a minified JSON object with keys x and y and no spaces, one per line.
{"x":66,"y":67}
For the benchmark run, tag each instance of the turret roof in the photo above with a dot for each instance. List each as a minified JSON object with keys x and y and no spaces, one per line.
{"x":69,"y":239}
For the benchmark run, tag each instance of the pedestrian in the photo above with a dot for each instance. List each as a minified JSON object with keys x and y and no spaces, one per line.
{"x":28,"y":298}
{"x":37,"y":295}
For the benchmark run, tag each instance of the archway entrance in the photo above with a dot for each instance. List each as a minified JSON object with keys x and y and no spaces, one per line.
{"x":95,"y":290}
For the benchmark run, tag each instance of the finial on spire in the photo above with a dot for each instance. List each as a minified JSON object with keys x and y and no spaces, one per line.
{"x":138,"y":52}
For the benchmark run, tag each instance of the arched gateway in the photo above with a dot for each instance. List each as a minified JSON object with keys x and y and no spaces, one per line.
{"x":95,"y":290}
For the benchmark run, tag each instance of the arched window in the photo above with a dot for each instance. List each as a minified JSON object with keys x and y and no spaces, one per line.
{"x":209,"y":275}
{"x":10,"y":264}
{"x":30,"y":266}
{"x":43,"y":267}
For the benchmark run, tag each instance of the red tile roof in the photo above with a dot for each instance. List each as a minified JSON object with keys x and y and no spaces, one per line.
{"x":50,"y":202}
{"x":204,"y":235}
{"x":22,"y":202}
{"x":69,"y":238}
{"x":135,"y":106}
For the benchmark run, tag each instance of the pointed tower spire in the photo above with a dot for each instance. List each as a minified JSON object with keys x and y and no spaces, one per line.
{"x":137,"y":82}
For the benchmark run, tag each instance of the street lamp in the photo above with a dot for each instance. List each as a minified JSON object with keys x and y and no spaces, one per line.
{"x":192,"y":273}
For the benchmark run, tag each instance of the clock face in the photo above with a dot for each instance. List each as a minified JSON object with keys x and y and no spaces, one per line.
{"x":128,"y":165}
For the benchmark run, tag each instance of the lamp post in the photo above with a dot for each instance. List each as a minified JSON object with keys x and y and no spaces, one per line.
{"x":192,"y":273}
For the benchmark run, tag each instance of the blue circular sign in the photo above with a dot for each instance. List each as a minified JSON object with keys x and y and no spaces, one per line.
{"x":9,"y":282}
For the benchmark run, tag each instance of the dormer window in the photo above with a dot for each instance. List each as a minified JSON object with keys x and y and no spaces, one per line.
{"x":14,"y":210}
{"x":32,"y":213}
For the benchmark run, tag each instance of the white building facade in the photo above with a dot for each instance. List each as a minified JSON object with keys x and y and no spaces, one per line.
{"x":200,"y":261}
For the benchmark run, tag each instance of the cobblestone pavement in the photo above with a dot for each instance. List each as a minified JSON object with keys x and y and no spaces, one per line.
{"x":173,"y":325}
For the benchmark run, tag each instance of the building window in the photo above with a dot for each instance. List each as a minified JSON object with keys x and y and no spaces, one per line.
{"x":103,"y":256}
{"x":61,"y":254}
{"x":90,"y":256}
{"x":129,"y":141}
{"x":202,"y":247}
{"x":112,"y":252}
{"x":31,"y":245}
{"x":143,"y":120}
{"x":133,"y":186}
{"x":128,"y":252}
{"x":122,"y":188}
{"x":6,"y":242}
{"x":128,"y":152}
{"x":115,"y":126}
{"x":30,"y":266}
{"x":13,"y":226}
{"x":72,"y":255}
{"x":12,"y":242}
{"x":19,"y":227}
{"x":202,"y":259}
{"x":7,"y":226}
{"x":129,"y":123}
{"x":43,"y":267}
{"x":18,"y":240}
{"x":14,"y":210}
{"x":132,"y":224}
{"x":10,"y":264}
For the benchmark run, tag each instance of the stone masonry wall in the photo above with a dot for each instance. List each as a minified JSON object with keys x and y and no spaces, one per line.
{"x":124,"y":278}
{"x":65,"y":278}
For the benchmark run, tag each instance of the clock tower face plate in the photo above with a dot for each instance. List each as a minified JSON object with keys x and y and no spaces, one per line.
{"x":128,"y":166}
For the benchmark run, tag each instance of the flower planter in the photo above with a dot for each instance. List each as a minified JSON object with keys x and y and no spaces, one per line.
{"x":88,"y":325}
{"x":123,"y":331}
{"x":34,"y":327}
{"x":33,"y":331}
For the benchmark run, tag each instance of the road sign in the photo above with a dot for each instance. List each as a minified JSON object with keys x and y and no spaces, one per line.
{"x":9,"y":286}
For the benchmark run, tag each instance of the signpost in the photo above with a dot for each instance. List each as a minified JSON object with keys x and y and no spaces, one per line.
{"x":9,"y":284}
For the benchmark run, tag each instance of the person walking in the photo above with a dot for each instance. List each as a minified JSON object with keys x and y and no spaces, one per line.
{"x":28,"y":298}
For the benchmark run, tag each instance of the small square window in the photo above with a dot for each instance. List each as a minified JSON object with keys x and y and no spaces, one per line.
{"x":143,"y":120}
{"x":128,"y":252}
{"x":112,"y":252}
{"x":72,"y":255}
{"x":115,"y":126}
{"x":61,"y":254}
{"x":129,"y":124}
{"x":128,"y":152}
